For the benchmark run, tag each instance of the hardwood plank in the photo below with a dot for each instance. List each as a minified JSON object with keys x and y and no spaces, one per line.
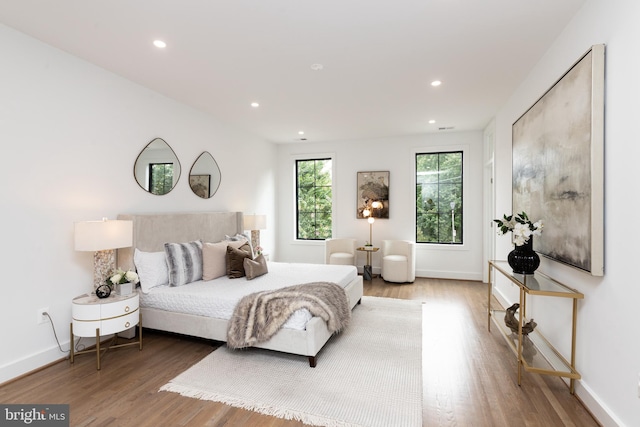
{"x":469,"y":375}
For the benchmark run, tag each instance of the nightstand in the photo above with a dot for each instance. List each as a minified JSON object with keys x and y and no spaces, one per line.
{"x":92,"y":316}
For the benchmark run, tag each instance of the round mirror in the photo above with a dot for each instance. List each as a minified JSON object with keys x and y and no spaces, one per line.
{"x":204,"y":177}
{"x":157,"y":168}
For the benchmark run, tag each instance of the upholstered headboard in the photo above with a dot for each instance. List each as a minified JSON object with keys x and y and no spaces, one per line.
{"x":152,"y":231}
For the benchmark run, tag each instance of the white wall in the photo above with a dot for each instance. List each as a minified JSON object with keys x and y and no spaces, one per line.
{"x":608,"y":348}
{"x":70,"y":133}
{"x":396,"y":155}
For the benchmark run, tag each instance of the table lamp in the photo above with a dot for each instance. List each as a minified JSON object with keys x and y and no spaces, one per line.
{"x":102,"y":238}
{"x":255,"y":223}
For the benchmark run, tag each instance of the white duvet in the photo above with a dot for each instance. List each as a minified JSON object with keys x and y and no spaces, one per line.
{"x":217,"y":298}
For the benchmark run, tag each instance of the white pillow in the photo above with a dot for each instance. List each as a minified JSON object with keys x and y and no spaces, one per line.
{"x":152,"y":269}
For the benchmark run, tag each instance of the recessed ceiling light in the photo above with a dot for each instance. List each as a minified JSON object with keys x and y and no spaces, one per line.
{"x":301,"y":132}
{"x":317,"y":67}
{"x":255,"y":104}
{"x":160,"y":44}
{"x":432,"y":121}
{"x":436,"y":83}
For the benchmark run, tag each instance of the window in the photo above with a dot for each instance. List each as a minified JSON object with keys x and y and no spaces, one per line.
{"x":313,"y":199}
{"x":160,"y":178}
{"x":439,"y":197}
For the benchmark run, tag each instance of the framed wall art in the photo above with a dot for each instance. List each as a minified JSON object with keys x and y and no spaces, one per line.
{"x":373,"y":187}
{"x":558,"y":165}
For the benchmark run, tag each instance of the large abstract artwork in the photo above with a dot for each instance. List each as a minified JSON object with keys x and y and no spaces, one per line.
{"x":558,"y":165}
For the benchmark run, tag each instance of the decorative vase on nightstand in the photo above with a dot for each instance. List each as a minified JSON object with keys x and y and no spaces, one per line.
{"x":124,"y":288}
{"x":523,"y":259}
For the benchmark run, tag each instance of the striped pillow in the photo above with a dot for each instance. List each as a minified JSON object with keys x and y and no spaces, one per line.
{"x":184,"y":261}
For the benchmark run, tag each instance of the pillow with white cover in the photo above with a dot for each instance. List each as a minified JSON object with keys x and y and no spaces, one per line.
{"x":152,"y":269}
{"x":184,"y":261}
{"x":214,"y":258}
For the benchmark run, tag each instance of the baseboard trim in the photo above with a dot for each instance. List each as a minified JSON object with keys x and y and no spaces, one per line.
{"x":30,"y":364}
{"x":596,"y":407}
{"x":39,"y":361}
{"x":456,"y":275}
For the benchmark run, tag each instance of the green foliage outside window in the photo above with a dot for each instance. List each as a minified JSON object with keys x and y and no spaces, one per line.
{"x":160,"y":178}
{"x":313,"y":199}
{"x":438,"y":185}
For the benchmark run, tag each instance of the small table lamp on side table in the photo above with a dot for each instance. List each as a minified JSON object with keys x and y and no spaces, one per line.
{"x":255,"y":223}
{"x":367,"y":271}
{"x":102,"y":238}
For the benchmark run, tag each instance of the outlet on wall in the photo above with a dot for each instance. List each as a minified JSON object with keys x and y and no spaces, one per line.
{"x":41,"y":315}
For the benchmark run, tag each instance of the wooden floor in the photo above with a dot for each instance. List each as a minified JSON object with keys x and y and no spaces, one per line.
{"x":469,"y":375}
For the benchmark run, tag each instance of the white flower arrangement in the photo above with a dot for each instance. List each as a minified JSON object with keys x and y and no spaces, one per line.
{"x":120,"y":276}
{"x":521,"y":227}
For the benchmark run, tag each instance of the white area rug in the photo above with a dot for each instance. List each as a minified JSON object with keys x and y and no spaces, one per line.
{"x":369,"y":375}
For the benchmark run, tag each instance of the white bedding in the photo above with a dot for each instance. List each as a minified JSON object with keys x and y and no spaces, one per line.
{"x":217,"y":298}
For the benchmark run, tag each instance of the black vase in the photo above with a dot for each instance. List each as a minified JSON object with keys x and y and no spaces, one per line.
{"x":523,"y":259}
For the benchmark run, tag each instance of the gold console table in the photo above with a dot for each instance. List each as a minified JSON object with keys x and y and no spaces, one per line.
{"x":534,"y":352}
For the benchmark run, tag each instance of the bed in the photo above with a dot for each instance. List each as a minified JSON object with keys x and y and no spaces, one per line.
{"x":303,"y":335}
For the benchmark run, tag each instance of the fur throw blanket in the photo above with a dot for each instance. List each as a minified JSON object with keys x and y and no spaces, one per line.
{"x":258,"y":316}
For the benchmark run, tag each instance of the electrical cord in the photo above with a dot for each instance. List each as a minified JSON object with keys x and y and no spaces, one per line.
{"x":53,"y":327}
{"x":77,"y":345}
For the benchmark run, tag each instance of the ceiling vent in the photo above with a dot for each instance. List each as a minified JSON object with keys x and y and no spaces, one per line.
{"x":446,"y":128}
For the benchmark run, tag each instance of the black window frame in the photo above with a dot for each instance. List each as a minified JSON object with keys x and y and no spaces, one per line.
{"x":315,"y":213}
{"x":442,"y":211}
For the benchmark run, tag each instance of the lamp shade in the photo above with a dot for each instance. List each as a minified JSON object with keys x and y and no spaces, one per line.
{"x":255,"y":222}
{"x":103,"y":235}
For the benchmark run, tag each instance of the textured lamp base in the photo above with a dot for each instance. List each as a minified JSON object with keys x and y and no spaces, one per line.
{"x":103,"y":265}
{"x":255,"y":238}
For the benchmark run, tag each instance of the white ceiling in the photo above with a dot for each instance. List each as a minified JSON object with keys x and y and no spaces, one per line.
{"x":379,"y":57}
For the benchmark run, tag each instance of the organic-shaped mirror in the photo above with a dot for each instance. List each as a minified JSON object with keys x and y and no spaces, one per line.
{"x":157,"y":168}
{"x":204,"y":177}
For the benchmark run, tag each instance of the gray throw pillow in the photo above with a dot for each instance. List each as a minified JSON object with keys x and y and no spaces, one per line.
{"x":184,"y":261}
{"x":255,"y":267}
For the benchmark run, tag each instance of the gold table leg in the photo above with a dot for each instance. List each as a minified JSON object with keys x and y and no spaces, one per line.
{"x":71,"y":342}
{"x":489,"y":301}
{"x":98,"y":347}
{"x":521,"y":310}
{"x":140,"y":330}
